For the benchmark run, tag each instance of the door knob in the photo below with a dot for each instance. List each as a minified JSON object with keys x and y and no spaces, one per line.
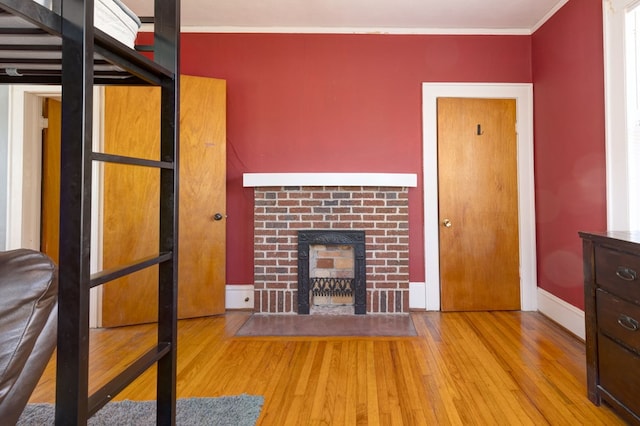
{"x":217,"y":216}
{"x":446,"y":223}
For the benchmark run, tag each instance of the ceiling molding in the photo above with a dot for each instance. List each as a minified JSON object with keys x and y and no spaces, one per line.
{"x":447,"y":29}
{"x":548,"y":16}
{"x":148,"y":28}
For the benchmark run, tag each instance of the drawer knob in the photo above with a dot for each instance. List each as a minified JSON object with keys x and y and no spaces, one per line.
{"x":626,"y":274}
{"x":628,"y":323}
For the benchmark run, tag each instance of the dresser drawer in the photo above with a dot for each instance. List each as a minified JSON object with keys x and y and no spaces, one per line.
{"x":618,"y":319}
{"x":619,"y":372}
{"x":618,"y":273}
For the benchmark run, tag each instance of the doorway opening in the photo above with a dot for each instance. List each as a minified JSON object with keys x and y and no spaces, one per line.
{"x":24,"y":190}
{"x":523,"y":94}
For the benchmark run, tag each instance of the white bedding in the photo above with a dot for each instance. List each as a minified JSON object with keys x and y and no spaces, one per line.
{"x":113,"y":18}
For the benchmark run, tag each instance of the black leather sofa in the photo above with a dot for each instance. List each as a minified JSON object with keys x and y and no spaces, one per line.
{"x":28,"y":325}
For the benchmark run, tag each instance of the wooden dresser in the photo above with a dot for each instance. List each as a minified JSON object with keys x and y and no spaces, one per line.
{"x":612,"y":319}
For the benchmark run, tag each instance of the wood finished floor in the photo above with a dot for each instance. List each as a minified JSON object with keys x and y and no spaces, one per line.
{"x":481,"y":368}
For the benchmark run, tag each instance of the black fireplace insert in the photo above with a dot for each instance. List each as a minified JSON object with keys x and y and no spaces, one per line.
{"x":357,"y":285}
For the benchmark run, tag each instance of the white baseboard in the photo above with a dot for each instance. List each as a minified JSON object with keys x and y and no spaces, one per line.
{"x":417,"y":296}
{"x":239,"y":296}
{"x":565,"y":314}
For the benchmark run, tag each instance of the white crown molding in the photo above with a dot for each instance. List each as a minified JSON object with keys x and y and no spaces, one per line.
{"x":376,"y":30}
{"x":620,"y":5}
{"x":548,"y":16}
{"x":354,"y":30}
{"x":148,"y":28}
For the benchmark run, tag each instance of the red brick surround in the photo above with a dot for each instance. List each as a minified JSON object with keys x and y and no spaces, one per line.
{"x":280,"y":212}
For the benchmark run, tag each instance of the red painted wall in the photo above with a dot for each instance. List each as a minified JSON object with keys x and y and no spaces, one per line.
{"x":335,"y":103}
{"x":567,"y":58}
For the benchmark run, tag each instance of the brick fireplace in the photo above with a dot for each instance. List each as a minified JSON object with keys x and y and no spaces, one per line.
{"x":376,"y":204}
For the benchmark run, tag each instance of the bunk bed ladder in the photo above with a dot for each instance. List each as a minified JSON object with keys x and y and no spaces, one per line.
{"x":73,"y":404}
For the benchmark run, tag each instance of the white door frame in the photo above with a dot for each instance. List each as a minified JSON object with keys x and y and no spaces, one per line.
{"x":523,"y":94}
{"x":24,"y":164}
{"x":616,"y":126}
{"x":25,"y":174}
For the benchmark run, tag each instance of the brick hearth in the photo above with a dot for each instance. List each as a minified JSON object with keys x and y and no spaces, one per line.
{"x":281,"y":211}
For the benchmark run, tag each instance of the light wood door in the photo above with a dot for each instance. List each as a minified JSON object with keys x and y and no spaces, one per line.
{"x":50,"y":200}
{"x":478,"y":204}
{"x":131,"y":219}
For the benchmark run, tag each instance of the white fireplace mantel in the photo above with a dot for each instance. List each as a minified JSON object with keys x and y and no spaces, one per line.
{"x":409,"y":180}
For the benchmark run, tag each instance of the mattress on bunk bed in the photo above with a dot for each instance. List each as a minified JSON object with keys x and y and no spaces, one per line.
{"x":114,"y":18}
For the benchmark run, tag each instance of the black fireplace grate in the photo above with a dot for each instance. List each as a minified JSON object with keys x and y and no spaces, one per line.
{"x":357,"y":285}
{"x":332,"y":286}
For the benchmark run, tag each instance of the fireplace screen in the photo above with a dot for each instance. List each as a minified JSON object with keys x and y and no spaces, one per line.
{"x":331,"y":274}
{"x":327,"y":287}
{"x":331,"y":270}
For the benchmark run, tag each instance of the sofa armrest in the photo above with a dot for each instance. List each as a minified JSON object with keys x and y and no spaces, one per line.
{"x":28,"y":325}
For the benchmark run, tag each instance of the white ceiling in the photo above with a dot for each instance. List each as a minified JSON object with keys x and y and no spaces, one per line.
{"x":362,"y":16}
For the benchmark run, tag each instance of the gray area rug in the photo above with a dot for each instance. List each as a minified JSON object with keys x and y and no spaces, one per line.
{"x":238,"y":410}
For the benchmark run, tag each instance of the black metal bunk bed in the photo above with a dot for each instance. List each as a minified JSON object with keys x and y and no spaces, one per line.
{"x":61,"y":46}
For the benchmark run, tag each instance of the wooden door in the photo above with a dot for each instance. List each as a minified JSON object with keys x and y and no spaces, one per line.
{"x":131,"y":197}
{"x":50,"y":199}
{"x":478,"y":204}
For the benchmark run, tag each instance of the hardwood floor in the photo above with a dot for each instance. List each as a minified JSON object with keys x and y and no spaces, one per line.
{"x":480,"y":368}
